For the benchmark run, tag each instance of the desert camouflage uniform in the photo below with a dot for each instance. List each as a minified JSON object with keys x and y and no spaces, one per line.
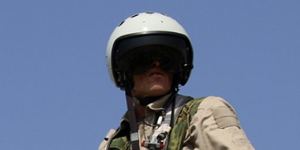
{"x":214,"y":126}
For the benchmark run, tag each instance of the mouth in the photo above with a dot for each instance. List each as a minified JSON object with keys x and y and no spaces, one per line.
{"x":155,"y":72}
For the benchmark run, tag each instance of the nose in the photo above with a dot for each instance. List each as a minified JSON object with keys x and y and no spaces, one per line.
{"x":156,"y":63}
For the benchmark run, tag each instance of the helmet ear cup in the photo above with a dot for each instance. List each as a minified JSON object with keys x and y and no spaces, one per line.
{"x":184,"y":76}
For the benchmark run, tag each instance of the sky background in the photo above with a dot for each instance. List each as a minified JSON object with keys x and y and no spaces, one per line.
{"x":56,"y":94}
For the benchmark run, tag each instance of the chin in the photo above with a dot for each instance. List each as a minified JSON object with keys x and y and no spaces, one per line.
{"x":159,"y":90}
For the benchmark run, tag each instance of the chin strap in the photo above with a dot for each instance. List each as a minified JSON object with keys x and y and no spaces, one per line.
{"x":134,"y":137}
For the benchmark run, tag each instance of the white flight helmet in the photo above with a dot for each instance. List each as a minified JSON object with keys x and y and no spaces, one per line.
{"x":146,"y":29}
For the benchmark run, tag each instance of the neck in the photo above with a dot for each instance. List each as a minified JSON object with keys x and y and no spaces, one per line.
{"x":144,"y":101}
{"x":144,"y":104}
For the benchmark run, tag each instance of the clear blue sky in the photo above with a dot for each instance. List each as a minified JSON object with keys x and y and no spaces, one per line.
{"x":55,"y":92}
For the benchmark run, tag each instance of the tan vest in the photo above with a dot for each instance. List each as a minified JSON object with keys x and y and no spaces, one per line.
{"x":176,"y":135}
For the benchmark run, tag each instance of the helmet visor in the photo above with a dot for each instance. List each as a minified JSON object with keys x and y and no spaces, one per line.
{"x":139,"y":60}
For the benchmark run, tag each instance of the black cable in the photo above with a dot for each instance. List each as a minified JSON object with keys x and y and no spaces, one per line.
{"x":173,"y":109}
{"x":134,"y":138}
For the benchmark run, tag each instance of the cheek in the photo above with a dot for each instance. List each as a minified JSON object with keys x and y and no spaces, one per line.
{"x":168,"y":82}
{"x":139,"y":82}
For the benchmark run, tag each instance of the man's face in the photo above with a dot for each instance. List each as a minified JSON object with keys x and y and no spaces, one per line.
{"x":153,"y":82}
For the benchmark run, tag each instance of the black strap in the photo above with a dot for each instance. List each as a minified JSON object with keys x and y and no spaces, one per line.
{"x":134,"y":138}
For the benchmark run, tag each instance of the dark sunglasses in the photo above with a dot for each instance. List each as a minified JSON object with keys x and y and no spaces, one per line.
{"x":143,"y":63}
{"x":141,"y":59}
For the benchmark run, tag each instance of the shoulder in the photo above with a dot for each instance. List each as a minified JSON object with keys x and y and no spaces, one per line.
{"x":219,"y":110}
{"x":216,"y":125}
{"x":103,"y":145}
{"x":214,"y":102}
{"x":210,"y":103}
